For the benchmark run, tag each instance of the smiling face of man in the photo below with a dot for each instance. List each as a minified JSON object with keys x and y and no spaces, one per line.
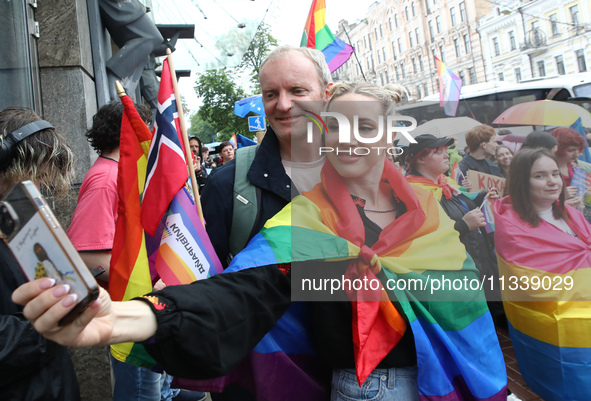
{"x":285,"y":81}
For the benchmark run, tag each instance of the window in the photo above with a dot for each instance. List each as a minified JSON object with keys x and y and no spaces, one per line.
{"x":373,"y":65}
{"x":574,"y":14}
{"x":403,"y":71}
{"x":442,"y":52}
{"x":458,"y":49}
{"x":496,"y":46}
{"x":397,"y":73}
{"x":461,"y":75}
{"x":426,"y":90}
{"x":418,"y":36}
{"x":438,"y":23}
{"x":435,"y":55}
{"x":365,"y":41}
{"x":382,"y":78}
{"x":581,"y":60}
{"x":381,"y":32}
{"x":414,"y":65}
{"x":390,"y":23}
{"x":384,"y":53}
{"x":368,"y":64}
{"x":501,"y":76}
{"x":369,"y":40}
{"x":376,"y":32}
{"x":472,"y":75}
{"x":428,"y":6}
{"x":419,"y":91}
{"x":421,"y":65}
{"x":406,"y":12}
{"x":399,"y":45}
{"x":410,"y":41}
{"x":560,"y":65}
{"x":541,"y":68}
{"x":554,"y":24}
{"x":518,"y":75}
{"x":394,"y":50}
{"x":512,"y":40}
{"x":19,"y":71}
{"x":463,"y":11}
{"x":467,"y":44}
{"x":452,"y":12}
{"x":396,"y":20}
{"x":431,"y":32}
{"x":379,"y":58}
{"x":414,"y":11}
{"x":387,"y":79}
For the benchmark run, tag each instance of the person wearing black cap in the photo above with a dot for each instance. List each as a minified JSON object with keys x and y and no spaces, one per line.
{"x":428,"y":161}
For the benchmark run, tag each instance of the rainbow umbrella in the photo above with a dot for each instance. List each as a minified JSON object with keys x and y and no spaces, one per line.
{"x":544,"y":112}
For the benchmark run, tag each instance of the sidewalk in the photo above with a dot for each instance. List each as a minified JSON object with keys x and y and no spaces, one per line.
{"x":515,"y":381}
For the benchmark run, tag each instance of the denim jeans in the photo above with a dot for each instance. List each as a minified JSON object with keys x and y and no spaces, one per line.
{"x":394,"y":384}
{"x":133,"y":383}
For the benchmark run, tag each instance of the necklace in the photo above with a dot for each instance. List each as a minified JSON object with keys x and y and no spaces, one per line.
{"x":380,"y":211}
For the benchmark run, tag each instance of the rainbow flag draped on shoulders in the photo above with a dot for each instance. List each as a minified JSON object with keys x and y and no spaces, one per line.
{"x":317,"y":35}
{"x":458,"y":354}
{"x":550,"y":322}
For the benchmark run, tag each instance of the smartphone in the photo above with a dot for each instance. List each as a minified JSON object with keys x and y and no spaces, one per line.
{"x":41,"y":246}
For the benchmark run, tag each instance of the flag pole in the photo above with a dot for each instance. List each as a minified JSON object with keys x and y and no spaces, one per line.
{"x":188,"y":156}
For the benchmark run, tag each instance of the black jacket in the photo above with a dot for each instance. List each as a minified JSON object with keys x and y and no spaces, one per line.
{"x":31,"y":367}
{"x":470,"y":163}
{"x":266,"y":172}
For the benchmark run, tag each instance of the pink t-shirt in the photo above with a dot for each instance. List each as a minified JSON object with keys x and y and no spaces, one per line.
{"x":93,"y":223}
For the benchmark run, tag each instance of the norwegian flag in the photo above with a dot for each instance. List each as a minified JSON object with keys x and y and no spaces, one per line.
{"x":167,"y":167}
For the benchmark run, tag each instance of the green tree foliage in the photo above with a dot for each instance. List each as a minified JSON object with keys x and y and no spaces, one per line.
{"x":219,"y":92}
{"x":260,"y":46}
{"x":201,"y":129}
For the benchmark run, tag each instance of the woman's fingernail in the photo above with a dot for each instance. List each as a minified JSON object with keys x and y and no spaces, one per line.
{"x":61,"y":290}
{"x":69,"y":300}
{"x":47,"y":283}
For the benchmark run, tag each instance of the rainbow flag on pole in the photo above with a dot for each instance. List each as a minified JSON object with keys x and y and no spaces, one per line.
{"x":129,"y":276}
{"x":317,"y":35}
{"x":547,"y":298}
{"x":450,"y":86}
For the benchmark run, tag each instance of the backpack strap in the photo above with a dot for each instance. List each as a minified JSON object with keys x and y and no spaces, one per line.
{"x":246,"y":206}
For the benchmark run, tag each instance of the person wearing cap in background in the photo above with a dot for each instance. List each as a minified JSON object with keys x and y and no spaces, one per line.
{"x":428,"y":161}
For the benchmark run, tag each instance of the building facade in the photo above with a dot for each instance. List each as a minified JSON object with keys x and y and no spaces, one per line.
{"x":400,"y":40}
{"x":536,"y":39}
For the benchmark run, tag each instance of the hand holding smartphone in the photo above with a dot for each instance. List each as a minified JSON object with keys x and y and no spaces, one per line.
{"x":41,"y":246}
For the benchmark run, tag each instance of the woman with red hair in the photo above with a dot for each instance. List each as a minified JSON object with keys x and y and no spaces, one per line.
{"x":570,"y":146}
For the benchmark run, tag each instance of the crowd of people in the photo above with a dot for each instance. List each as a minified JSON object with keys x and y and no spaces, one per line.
{"x":361,"y":217}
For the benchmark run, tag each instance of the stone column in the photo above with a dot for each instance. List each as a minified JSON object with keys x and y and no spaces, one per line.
{"x":69,"y":102}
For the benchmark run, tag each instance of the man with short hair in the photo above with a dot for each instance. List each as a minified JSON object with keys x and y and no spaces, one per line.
{"x":288,"y":76}
{"x":482,"y":142}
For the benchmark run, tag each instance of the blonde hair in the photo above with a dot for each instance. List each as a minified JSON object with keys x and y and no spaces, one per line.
{"x":44,"y":157}
{"x":389,"y":94}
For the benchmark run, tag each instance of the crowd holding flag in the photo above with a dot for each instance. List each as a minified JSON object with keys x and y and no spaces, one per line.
{"x":151,"y":178}
{"x":317,"y":35}
{"x":450,"y":86}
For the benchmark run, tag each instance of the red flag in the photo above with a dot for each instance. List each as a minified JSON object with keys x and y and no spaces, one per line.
{"x":167,"y":166}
